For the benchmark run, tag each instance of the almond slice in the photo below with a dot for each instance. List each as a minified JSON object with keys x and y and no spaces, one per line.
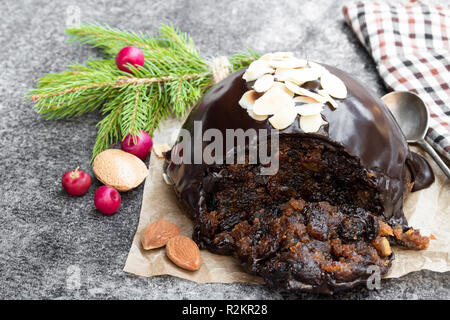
{"x":289,"y":63}
{"x":334,"y":86}
{"x":272,"y":101}
{"x":184,"y":253}
{"x":320,"y":69}
{"x":282,"y":55}
{"x":248,"y":99}
{"x":256,"y":69}
{"x":264,"y":83}
{"x":283,"y":87}
{"x":283,"y":118}
{"x":158,"y":233}
{"x":299,"y":76}
{"x":255,"y":116}
{"x":311,"y":123}
{"x":329,"y":99}
{"x":309,"y":109}
{"x":282,"y":74}
{"x":305,"y":92}
{"x":303,"y":99}
{"x":158,"y":149}
{"x":266,"y":57}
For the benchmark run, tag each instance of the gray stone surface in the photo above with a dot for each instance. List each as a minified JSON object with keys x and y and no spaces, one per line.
{"x":54,"y":246}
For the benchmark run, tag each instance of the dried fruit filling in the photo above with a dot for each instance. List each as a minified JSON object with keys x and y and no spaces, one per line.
{"x":315,"y":224}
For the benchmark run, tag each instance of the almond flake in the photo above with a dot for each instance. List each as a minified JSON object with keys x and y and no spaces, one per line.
{"x":281,"y":55}
{"x":272,"y":101}
{"x":321,"y":70}
{"x":256,"y":69}
{"x":329,"y":99}
{"x":309,"y":109}
{"x":282,"y":86}
{"x":311,"y":123}
{"x":255,"y":116}
{"x":263,"y":83}
{"x":289,"y":63}
{"x":158,"y":149}
{"x":304,"y":92}
{"x":266,"y":57}
{"x":334,"y":86}
{"x":303,"y":99}
{"x":282,"y":74}
{"x":299,"y":76}
{"x":248,"y":99}
{"x":283,"y":118}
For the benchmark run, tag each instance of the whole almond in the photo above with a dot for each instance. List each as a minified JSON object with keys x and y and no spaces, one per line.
{"x":158,"y":233}
{"x":184,"y":253}
{"x":119,"y":169}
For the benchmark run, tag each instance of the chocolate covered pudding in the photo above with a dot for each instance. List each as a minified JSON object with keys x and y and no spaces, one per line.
{"x":333,"y":208}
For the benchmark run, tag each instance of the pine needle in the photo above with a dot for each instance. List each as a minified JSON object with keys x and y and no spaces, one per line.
{"x":172,"y":79}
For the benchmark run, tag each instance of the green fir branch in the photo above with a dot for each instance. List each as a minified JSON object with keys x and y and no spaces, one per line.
{"x":173,"y":78}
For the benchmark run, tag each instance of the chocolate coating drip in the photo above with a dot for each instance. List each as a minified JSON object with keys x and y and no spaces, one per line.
{"x":362,"y":125}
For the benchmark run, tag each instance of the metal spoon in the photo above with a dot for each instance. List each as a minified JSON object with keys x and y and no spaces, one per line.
{"x":412,"y":116}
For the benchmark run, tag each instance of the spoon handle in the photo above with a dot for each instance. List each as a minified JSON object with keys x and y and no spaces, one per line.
{"x":426,"y":146}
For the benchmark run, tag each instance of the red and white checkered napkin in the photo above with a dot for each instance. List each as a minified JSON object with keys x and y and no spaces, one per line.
{"x":410,"y":44}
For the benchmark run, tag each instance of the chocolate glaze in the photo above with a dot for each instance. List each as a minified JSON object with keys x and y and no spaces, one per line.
{"x":362,"y":125}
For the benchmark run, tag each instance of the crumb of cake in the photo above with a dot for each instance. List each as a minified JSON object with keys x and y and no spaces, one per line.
{"x":411,"y":239}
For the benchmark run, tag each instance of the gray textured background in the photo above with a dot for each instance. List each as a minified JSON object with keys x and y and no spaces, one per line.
{"x":48,"y":240}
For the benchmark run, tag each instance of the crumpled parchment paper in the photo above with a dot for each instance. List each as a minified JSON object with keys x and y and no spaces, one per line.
{"x":427,"y":210}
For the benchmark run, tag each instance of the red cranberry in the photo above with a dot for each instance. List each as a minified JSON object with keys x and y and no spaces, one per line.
{"x":131,"y":55}
{"x":107,"y":200}
{"x":76,"y":182}
{"x":142,"y":147}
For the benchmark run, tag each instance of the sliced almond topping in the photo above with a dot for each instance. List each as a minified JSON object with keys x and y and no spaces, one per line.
{"x":334,"y":86}
{"x":267,"y":57}
{"x":283,"y":118}
{"x":255,"y":116}
{"x":248,"y":99}
{"x":282,"y":74}
{"x":329,"y":99}
{"x":283,"y":87}
{"x":256,"y":69}
{"x":158,"y":233}
{"x":263,"y":83}
{"x":293,"y":87}
{"x":309,"y":109}
{"x":184,"y":253}
{"x":304,"y":92}
{"x":311,"y":123}
{"x":299,"y":76}
{"x":289,"y":63}
{"x":320,"y":69}
{"x":158,"y":149}
{"x":303,"y":99}
{"x":282,"y":55}
{"x":272,"y":101}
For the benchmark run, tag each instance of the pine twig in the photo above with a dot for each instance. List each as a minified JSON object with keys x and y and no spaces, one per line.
{"x":173,"y":78}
